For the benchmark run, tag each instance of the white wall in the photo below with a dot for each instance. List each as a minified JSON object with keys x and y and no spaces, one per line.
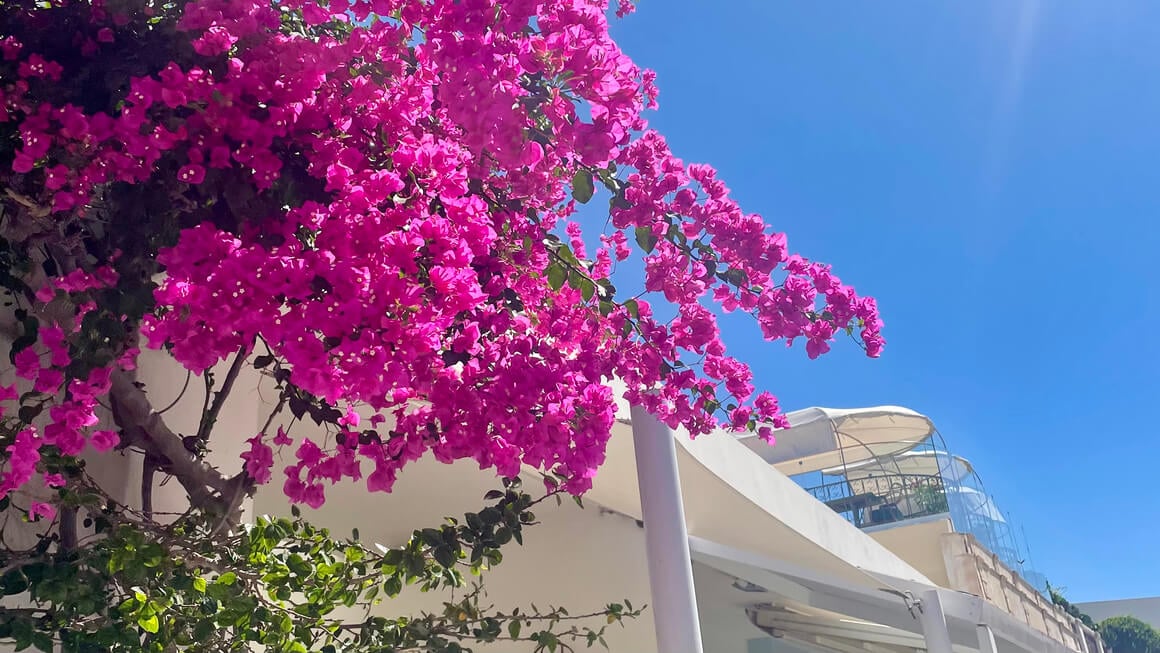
{"x":582,"y":559}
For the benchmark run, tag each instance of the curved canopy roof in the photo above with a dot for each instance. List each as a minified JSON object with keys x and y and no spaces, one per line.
{"x":924,"y":463}
{"x":821,"y":438}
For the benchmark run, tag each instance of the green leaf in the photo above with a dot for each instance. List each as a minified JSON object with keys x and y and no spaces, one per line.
{"x":503,"y":535}
{"x":445,"y":556}
{"x":228,"y":578}
{"x":582,"y":188}
{"x":199,"y":584}
{"x":149,"y":624}
{"x":618,"y":201}
{"x":565,"y":253}
{"x":587,"y":288}
{"x":646,"y":239}
{"x":204,"y":629}
{"x":557,"y":275}
{"x":734,"y":276}
{"x":514,"y":629}
{"x":633,"y":308}
{"x":13,"y":582}
{"x":29,"y":412}
{"x":490,"y":516}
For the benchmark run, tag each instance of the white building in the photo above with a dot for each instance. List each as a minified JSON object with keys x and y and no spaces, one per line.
{"x":774,"y":568}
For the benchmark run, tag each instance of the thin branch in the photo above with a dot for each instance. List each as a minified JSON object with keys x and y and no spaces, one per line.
{"x":210,"y":417}
{"x":274,"y":413}
{"x":68,"y":528}
{"x":147,"y":470}
{"x":184,"y":387}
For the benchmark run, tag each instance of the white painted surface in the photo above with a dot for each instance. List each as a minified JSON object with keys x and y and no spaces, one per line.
{"x":670,"y":570}
{"x":934,"y":624}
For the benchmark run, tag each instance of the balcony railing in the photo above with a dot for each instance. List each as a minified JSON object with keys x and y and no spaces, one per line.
{"x":884,"y":498}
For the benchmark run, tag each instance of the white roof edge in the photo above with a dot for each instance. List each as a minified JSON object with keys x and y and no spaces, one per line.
{"x":814,"y":413}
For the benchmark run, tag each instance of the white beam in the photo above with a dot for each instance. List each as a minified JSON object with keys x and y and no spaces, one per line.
{"x":934,"y":624}
{"x":872,"y":633}
{"x":959,"y":612}
{"x":670,"y":570}
{"x":986,"y":639}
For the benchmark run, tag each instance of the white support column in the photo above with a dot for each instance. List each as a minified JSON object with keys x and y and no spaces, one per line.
{"x":670,"y":569}
{"x":934,"y":624}
{"x":986,"y":640}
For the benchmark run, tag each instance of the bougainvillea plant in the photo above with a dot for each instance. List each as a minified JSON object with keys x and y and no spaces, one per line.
{"x":376,"y":202}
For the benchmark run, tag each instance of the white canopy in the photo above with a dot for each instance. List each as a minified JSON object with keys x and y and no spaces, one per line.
{"x":923,"y":463}
{"x":821,"y":438}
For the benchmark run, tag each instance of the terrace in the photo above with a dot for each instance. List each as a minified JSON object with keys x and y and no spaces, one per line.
{"x":888,"y":467}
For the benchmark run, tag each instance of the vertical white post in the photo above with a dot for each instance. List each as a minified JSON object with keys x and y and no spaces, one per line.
{"x":986,"y":639}
{"x":934,"y":624}
{"x":670,"y":570}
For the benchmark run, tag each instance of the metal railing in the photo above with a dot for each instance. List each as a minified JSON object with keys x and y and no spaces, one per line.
{"x":883,"y":498}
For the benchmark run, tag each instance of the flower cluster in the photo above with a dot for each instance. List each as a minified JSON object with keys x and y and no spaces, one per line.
{"x":370,"y":189}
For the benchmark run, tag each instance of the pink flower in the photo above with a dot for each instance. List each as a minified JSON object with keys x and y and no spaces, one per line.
{"x":10,"y":48}
{"x":412,"y":266}
{"x":55,"y":177}
{"x":49,"y":380}
{"x":191,"y":174}
{"x":38,"y":510}
{"x":23,"y":455}
{"x":104,"y":440}
{"x":27,"y":363}
{"x":216,"y":40}
{"x":351,"y":419}
{"x":38,"y":66}
{"x":23,"y":162}
{"x":259,"y":459}
{"x":54,"y":480}
{"x":282,"y":439}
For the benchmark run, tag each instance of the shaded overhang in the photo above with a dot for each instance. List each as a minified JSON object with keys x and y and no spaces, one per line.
{"x":734,"y":497}
{"x":829,"y":613}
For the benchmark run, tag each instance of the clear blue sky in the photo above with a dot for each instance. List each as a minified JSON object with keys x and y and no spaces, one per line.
{"x":990,"y":171}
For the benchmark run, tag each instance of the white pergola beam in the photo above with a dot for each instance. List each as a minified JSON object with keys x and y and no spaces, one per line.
{"x":986,"y":639}
{"x":934,"y":624}
{"x":670,"y":569}
{"x":880,"y":601}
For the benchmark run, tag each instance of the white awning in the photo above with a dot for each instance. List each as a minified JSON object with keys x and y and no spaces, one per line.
{"x":821,"y":438}
{"x":923,"y":463}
